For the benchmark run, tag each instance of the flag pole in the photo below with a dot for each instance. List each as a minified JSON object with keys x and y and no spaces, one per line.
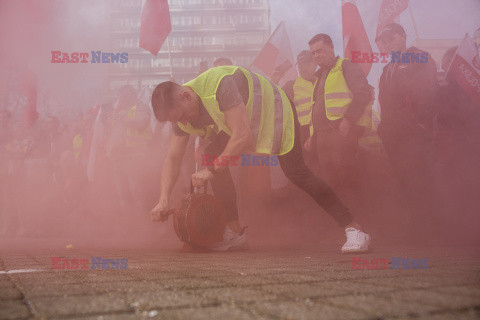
{"x":170,"y":56}
{"x":453,"y":57}
{"x":413,"y":20}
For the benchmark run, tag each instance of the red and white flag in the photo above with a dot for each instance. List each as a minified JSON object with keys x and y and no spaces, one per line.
{"x":276,"y":58}
{"x":155,"y":25}
{"x":355,"y":37}
{"x":465,"y":68}
{"x":389,"y":11}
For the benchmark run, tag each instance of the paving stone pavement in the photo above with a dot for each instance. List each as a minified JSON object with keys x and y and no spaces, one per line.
{"x":258,"y":284}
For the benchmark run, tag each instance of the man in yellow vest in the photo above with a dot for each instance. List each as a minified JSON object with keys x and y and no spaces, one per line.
{"x":339,"y":115}
{"x":239,"y":111}
{"x":303,"y":97}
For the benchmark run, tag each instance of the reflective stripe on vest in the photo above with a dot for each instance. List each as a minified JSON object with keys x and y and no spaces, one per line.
{"x":137,"y":138}
{"x":77,"y":145}
{"x":338,"y":97}
{"x":371,"y":140}
{"x":376,"y":118}
{"x":268,"y":108}
{"x":303,"y":99}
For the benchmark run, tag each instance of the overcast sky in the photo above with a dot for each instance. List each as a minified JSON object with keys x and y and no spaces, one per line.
{"x":435,"y":19}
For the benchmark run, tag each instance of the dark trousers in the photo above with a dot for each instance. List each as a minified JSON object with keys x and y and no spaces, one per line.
{"x":222,"y":184}
{"x":294,"y":168}
{"x":336,"y":156}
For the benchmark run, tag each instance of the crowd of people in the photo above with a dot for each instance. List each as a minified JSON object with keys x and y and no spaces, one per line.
{"x":56,"y":176}
{"x":427,"y":134}
{"x":61,"y":178}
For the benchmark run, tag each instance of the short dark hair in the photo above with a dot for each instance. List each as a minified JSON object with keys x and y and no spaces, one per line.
{"x":325,"y":38}
{"x":222,"y":61}
{"x":163,"y":99}
{"x":390,"y":29}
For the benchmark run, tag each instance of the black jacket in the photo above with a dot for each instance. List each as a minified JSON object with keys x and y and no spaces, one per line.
{"x":408,"y":94}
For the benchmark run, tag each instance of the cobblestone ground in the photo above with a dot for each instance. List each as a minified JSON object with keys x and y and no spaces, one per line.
{"x":258,"y":284}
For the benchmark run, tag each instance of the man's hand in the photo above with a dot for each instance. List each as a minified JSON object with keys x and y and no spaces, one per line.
{"x":159,"y":213}
{"x":308,"y":144}
{"x":199,"y":178}
{"x":344,"y":127}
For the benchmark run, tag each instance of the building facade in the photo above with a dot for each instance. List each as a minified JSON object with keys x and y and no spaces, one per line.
{"x":202,"y":31}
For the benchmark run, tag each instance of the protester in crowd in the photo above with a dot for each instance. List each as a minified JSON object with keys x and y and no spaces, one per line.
{"x":339,"y":114}
{"x":476,"y":38}
{"x":192,"y":111}
{"x":8,"y":213}
{"x":457,"y":142}
{"x":300,"y":92}
{"x":202,"y":67}
{"x":222,"y":61}
{"x":127,"y":149}
{"x":408,"y":97}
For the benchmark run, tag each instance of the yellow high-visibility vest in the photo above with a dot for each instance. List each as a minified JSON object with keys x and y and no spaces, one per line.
{"x":137,"y":138}
{"x":370,"y":139}
{"x":337,"y":99}
{"x":268,"y":108}
{"x":338,"y":96}
{"x":303,"y":100}
{"x":77,"y":145}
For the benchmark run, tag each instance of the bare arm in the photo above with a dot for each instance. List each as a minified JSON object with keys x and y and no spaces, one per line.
{"x":170,"y":173}
{"x":171,"y":167}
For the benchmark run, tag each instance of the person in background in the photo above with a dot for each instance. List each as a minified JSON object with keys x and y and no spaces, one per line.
{"x":222,"y":62}
{"x":300,"y":92}
{"x":408,"y":97}
{"x":476,"y":38}
{"x":339,"y":114}
{"x":127,"y":149}
{"x":9,"y":222}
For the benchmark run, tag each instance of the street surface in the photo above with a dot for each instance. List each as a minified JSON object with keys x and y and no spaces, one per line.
{"x":263,"y":283}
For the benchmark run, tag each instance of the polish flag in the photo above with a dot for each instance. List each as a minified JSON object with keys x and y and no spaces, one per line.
{"x":275,"y":59}
{"x":465,"y":68}
{"x":354,"y":35}
{"x":389,"y":11}
{"x":155,"y":25}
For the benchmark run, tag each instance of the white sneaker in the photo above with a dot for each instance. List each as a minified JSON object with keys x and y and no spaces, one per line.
{"x":232,"y":241}
{"x":357,"y":241}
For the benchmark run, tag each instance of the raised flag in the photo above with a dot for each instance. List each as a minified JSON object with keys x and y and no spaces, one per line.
{"x":389,"y":11}
{"x":465,"y":68}
{"x":355,"y":39}
{"x":155,"y":25}
{"x":275,"y":59}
